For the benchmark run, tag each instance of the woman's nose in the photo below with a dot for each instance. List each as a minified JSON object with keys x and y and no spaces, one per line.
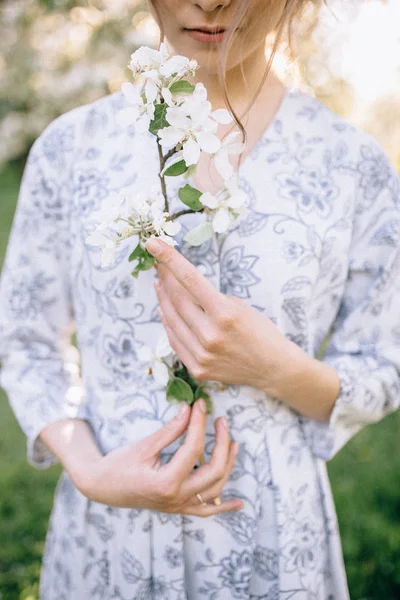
{"x":211,"y":5}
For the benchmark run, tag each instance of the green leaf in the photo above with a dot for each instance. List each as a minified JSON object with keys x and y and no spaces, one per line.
{"x":182,"y":87}
{"x":160,"y":118}
{"x":177,"y":168}
{"x":201,"y":393}
{"x":200,"y":234}
{"x":191,"y":197}
{"x":177,"y":389}
{"x":137,"y":253}
{"x":144,"y":258}
{"x":147,"y":262}
{"x":136,"y":271}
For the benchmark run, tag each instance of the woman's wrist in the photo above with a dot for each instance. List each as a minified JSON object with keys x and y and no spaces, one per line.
{"x":72,"y":441}
{"x":306,"y":384}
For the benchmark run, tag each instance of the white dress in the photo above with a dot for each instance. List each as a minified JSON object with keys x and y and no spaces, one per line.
{"x":318,"y":248}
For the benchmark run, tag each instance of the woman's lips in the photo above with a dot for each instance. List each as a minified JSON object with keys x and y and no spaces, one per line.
{"x":202,"y":35}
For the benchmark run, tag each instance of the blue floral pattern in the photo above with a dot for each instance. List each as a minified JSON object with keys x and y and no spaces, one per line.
{"x":319,"y":249}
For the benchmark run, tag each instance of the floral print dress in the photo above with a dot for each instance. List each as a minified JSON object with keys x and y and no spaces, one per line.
{"x":318,"y":249}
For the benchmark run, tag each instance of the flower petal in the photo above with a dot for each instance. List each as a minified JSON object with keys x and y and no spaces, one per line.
{"x":160,"y":372}
{"x":97,"y":238}
{"x":223,"y":116}
{"x":151,"y":91}
{"x":131,"y":92}
{"x":221,"y":220}
{"x":229,"y":139}
{"x":200,"y":92}
{"x":168,"y":240}
{"x":223,"y":164}
{"x":176,"y":117}
{"x":108,"y":254}
{"x":167,"y":95}
{"x":208,"y":142}
{"x":237,"y":200}
{"x":199,"y":234}
{"x":163,"y":347}
{"x":143,"y":123}
{"x":191,"y":152}
{"x":172,"y":227}
{"x":209,"y":200}
{"x":170,"y":136}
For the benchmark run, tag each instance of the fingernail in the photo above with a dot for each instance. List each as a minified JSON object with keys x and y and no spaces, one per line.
{"x":153,"y":246}
{"x":202,"y":404}
{"x":240,"y":506}
{"x":225,"y":422}
{"x":183,"y":410}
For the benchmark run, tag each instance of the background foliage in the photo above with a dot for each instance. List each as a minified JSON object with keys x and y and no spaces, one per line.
{"x":57,"y":54}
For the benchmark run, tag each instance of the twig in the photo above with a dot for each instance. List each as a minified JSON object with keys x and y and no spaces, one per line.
{"x":187,"y":211}
{"x":162,"y":179}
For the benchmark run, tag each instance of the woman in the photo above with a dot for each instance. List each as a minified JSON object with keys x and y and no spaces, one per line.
{"x":319,"y":248}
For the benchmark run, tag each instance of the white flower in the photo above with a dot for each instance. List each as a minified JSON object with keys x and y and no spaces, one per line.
{"x":110,"y":212}
{"x":145,"y":205}
{"x":168,"y":97}
{"x":221,"y":158}
{"x":193,"y":125}
{"x":147,"y":61}
{"x":158,"y":368}
{"x":178,"y":66}
{"x":226,"y":206}
{"x":141,"y":110}
{"x":166,"y":229}
{"x":198,"y":105}
{"x":106,"y":243}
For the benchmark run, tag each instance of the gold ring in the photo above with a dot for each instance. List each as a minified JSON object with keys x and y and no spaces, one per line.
{"x":217,"y":501}
{"x":200,"y":499}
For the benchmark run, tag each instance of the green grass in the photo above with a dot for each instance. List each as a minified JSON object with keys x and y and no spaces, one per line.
{"x":25,"y":493}
{"x":365,"y":478}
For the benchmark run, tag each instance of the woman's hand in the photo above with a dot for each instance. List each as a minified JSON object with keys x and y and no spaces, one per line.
{"x":133,"y":477}
{"x":217,"y":337}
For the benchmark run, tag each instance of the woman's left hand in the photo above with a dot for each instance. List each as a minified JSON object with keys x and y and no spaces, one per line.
{"x":217,"y":337}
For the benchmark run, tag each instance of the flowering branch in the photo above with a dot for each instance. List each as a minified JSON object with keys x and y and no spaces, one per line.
{"x":164,"y":102}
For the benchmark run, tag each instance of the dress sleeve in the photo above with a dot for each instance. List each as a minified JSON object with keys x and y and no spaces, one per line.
{"x":40,"y":366}
{"x":364,"y":347}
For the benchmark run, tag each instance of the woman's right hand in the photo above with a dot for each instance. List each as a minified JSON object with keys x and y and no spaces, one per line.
{"x":133,"y":476}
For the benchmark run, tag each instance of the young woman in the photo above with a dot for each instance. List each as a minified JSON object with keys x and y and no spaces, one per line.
{"x":318,"y":249}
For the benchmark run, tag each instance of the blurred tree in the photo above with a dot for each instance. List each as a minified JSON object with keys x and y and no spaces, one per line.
{"x":58,"y":54}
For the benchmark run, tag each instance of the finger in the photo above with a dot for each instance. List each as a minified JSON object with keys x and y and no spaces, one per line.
{"x":188,"y":309}
{"x":215,"y":490}
{"x":185,"y":272}
{"x":184,"y":354}
{"x":207,"y":510}
{"x":171,"y":431}
{"x":210,"y":473}
{"x":175,"y":321}
{"x":189,"y":453}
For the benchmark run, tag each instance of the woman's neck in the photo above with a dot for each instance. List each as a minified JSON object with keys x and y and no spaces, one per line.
{"x":242,"y":82}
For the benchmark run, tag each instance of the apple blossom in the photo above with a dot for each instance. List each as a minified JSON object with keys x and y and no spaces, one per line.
{"x":226,"y":206}
{"x":146,"y":60}
{"x":221,"y":157}
{"x":157,"y":365}
{"x":141,"y":105}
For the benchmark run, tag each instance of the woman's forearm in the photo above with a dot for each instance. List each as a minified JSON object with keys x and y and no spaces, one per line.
{"x":306,"y":384}
{"x":72,"y":441}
